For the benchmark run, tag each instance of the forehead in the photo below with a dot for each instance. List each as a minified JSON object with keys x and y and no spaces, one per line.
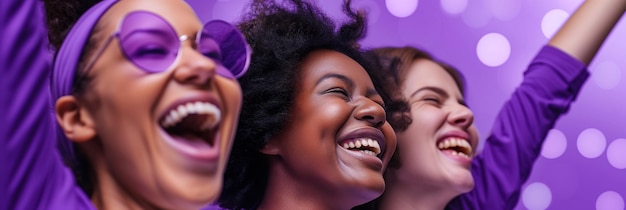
{"x":322,"y":62}
{"x":426,"y":73}
{"x":176,"y":12}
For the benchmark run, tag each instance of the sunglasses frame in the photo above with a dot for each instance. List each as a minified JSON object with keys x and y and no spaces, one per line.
{"x":116,"y":34}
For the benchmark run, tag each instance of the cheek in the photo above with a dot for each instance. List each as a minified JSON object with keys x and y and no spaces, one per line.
{"x":426,"y":120}
{"x":391,"y":142}
{"x":230,"y":92}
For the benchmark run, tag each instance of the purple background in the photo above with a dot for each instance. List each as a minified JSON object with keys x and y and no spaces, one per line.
{"x":582,"y":164}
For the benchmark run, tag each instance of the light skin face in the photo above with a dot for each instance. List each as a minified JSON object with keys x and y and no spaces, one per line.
{"x":335,"y":103}
{"x":439,"y":114}
{"x":119,"y":124}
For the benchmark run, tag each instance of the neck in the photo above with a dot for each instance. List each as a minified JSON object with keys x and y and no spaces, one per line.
{"x":109,"y":194}
{"x":288,"y":191}
{"x":412,"y":195}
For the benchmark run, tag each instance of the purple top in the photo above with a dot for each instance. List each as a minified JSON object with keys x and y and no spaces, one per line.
{"x":550,"y":85}
{"x":33,"y":173}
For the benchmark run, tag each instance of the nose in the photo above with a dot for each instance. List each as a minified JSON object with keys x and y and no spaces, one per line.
{"x":461,"y":116}
{"x":371,"y":112}
{"x":194,"y":68}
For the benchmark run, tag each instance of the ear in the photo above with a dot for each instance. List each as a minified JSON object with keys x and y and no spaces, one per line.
{"x":74,"y":119}
{"x":271,"y":148}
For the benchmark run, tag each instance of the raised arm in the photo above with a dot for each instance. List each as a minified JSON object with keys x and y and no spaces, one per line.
{"x":551,"y":84}
{"x":585,"y":31}
{"x":33,"y":175}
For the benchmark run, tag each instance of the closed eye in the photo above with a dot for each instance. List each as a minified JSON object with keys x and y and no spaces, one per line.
{"x":339,"y":91}
{"x":432,"y":100}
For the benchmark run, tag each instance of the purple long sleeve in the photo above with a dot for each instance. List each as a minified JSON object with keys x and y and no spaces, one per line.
{"x":33,"y":174}
{"x":550,"y":85}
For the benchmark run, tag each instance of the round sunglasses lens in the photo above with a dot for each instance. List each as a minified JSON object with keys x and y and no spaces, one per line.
{"x":232,"y":47}
{"x":148,"y":41}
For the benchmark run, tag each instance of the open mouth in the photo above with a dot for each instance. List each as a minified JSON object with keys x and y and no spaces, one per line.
{"x":365,"y":145}
{"x":456,"y":146}
{"x":192,"y":122}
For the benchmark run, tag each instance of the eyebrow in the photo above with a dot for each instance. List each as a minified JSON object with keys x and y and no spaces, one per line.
{"x":343,"y":78}
{"x":438,"y":91}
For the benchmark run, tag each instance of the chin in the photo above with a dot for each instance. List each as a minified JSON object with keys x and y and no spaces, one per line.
{"x":370,"y":190}
{"x":465,"y":185}
{"x":194,"y":195}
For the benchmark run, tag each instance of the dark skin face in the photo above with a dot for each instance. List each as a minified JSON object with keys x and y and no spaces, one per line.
{"x":336,"y":109}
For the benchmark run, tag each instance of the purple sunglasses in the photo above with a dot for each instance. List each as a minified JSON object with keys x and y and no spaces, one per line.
{"x":151,"y":43}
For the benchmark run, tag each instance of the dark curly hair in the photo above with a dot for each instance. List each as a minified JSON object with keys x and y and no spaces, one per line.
{"x":281,"y":36}
{"x":395,"y":63}
{"x":61,"y":15}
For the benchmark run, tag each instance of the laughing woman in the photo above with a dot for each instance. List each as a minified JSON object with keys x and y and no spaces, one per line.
{"x":145,"y":103}
{"x":436,"y":157}
{"x":312,"y":132}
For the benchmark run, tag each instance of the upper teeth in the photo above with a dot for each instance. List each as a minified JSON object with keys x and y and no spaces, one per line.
{"x":457,"y":142}
{"x":363,"y":142}
{"x":183,"y":110}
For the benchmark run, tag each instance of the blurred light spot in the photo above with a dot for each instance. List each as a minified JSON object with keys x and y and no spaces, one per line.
{"x":401,"y":8}
{"x":476,"y":14}
{"x":552,"y":22}
{"x":554,"y":145}
{"x":493,"y":49}
{"x":536,"y":196}
{"x":607,"y":75}
{"x":616,"y":153}
{"x":505,"y":10}
{"x":610,"y":200}
{"x":591,"y":143}
{"x":454,"y":7}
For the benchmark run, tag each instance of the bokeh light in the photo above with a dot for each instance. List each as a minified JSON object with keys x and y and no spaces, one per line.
{"x":504,"y":10}
{"x":401,"y":8}
{"x":477,"y":14}
{"x":616,"y":153}
{"x":453,"y":7}
{"x":610,"y":200}
{"x":536,"y":196}
{"x":606,"y":75}
{"x":552,"y":21}
{"x":591,"y":143}
{"x":554,"y":145}
{"x":493,"y":49}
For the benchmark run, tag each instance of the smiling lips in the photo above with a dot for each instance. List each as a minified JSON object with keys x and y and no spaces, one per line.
{"x":456,"y":146}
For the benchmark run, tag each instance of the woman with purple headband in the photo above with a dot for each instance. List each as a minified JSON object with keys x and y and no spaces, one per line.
{"x":436,"y":165}
{"x":144,"y":103}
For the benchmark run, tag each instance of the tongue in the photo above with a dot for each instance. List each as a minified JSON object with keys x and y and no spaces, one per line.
{"x":190,"y":130}
{"x":192,"y":140}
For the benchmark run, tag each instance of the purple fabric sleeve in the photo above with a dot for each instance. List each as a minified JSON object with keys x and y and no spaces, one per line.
{"x":33,"y":175}
{"x":551,"y":84}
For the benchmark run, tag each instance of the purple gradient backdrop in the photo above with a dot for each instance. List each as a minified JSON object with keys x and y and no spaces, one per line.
{"x":563,"y":178}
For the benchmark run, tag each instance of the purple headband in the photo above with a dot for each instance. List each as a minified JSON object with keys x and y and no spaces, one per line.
{"x":66,"y":62}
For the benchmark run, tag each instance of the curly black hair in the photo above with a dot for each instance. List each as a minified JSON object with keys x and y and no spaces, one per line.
{"x":281,"y":36}
{"x":61,"y":15}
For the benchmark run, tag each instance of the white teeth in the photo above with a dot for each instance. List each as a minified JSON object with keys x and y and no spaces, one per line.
{"x":371,"y":146}
{"x":456,"y":142}
{"x":182,"y":111}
